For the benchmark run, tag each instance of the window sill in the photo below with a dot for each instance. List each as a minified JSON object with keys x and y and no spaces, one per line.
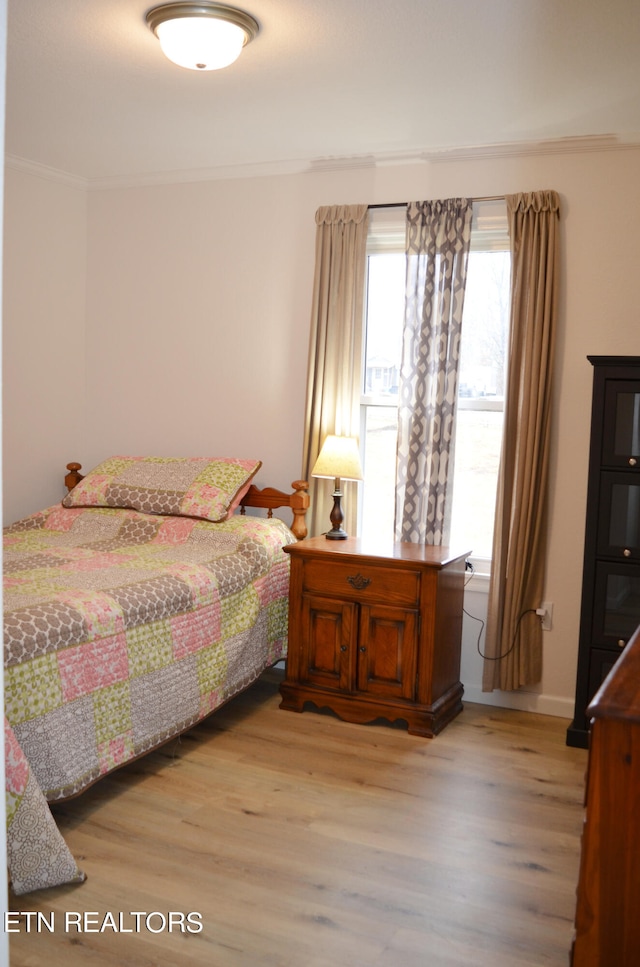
{"x":477,"y":581}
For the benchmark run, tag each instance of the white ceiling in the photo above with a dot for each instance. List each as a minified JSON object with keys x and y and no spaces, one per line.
{"x":90,"y":94}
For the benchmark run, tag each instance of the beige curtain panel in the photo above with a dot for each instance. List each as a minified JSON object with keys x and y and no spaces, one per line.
{"x":335,"y":351}
{"x":514,"y":635}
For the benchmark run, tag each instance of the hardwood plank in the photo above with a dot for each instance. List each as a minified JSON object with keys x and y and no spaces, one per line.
{"x":306,"y":840}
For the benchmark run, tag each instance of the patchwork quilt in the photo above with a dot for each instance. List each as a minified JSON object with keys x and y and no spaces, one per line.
{"x":37,"y":855}
{"x":123,"y":629}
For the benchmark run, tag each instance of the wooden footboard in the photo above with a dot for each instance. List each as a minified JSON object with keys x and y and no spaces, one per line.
{"x":268,"y":498}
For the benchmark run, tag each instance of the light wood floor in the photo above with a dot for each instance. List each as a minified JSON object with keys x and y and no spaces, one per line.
{"x":304,"y":841}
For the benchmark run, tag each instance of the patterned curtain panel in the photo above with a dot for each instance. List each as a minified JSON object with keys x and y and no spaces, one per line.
{"x":438,"y":239}
{"x":335,"y":351}
{"x":514,"y":637}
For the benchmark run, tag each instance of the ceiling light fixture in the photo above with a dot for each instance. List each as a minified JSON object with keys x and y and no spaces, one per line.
{"x":201,"y":36}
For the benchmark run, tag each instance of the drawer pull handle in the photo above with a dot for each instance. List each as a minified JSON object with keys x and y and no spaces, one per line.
{"x":632,"y":461}
{"x":621,"y":642}
{"x":343,"y":647}
{"x":358,"y":582}
{"x":627,"y":552}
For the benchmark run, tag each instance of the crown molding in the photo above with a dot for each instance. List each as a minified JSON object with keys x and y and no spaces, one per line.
{"x":221,"y":173}
{"x":558,"y":146}
{"x":336,"y":163}
{"x":45,"y":172}
{"x":146,"y":179}
{"x":478,"y":152}
{"x":510,"y":149}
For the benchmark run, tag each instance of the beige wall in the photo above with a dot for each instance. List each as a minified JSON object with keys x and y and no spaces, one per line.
{"x":197,"y":322}
{"x":43,"y":339}
{"x":197,"y":314}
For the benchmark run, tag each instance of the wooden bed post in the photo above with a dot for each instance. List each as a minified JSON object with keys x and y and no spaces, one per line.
{"x":74,"y":476}
{"x":300,"y":506}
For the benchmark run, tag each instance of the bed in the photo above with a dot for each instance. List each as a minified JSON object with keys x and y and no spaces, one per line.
{"x":133,"y":609}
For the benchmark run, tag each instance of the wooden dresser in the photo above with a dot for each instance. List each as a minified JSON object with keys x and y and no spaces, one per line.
{"x":375,"y":631}
{"x":607,"y":926}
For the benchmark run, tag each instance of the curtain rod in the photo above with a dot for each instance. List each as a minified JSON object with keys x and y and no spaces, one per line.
{"x":403,"y":204}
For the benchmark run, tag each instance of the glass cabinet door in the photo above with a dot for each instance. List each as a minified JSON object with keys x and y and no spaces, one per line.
{"x":616,"y":612}
{"x":619,"y":516}
{"x":621,"y":436}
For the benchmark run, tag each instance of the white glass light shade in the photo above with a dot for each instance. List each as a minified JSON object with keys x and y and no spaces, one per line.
{"x":339,"y":457}
{"x":201,"y":43}
{"x":201,"y":36}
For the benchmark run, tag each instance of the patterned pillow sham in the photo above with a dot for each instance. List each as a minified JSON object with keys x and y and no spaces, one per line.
{"x":205,"y":487}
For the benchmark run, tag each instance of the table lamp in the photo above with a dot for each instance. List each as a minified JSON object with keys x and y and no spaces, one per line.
{"x":338,"y":458}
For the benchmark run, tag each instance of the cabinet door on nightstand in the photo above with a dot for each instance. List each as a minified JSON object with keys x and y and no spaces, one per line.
{"x":387,"y":651}
{"x":329,"y":627}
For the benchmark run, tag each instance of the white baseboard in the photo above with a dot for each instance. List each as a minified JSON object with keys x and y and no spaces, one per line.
{"x":521,"y":700}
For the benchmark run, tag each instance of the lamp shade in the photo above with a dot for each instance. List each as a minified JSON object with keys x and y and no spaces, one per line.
{"x":339,"y":457}
{"x":201,"y":36}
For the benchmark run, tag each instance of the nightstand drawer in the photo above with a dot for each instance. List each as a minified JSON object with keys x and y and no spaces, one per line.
{"x":362,"y":582}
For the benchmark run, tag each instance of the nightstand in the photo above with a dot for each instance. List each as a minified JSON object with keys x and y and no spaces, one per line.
{"x":375,"y":631}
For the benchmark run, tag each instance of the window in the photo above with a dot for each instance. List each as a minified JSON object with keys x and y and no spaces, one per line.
{"x":481,"y":381}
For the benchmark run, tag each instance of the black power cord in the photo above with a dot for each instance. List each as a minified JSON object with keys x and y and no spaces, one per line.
{"x":470,"y":567}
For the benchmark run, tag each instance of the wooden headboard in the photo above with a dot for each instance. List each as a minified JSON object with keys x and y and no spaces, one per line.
{"x":268,"y":498}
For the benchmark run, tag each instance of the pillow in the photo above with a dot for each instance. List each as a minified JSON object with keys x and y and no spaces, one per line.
{"x":204,"y":487}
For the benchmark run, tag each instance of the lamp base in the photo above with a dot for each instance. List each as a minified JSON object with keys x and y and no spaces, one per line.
{"x":336,"y":517}
{"x":336,"y":535}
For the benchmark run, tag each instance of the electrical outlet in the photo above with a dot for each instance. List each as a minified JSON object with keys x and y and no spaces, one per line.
{"x":546,"y":615}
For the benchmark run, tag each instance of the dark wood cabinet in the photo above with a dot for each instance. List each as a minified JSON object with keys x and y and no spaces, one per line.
{"x":610,"y":611}
{"x":375,"y":632}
